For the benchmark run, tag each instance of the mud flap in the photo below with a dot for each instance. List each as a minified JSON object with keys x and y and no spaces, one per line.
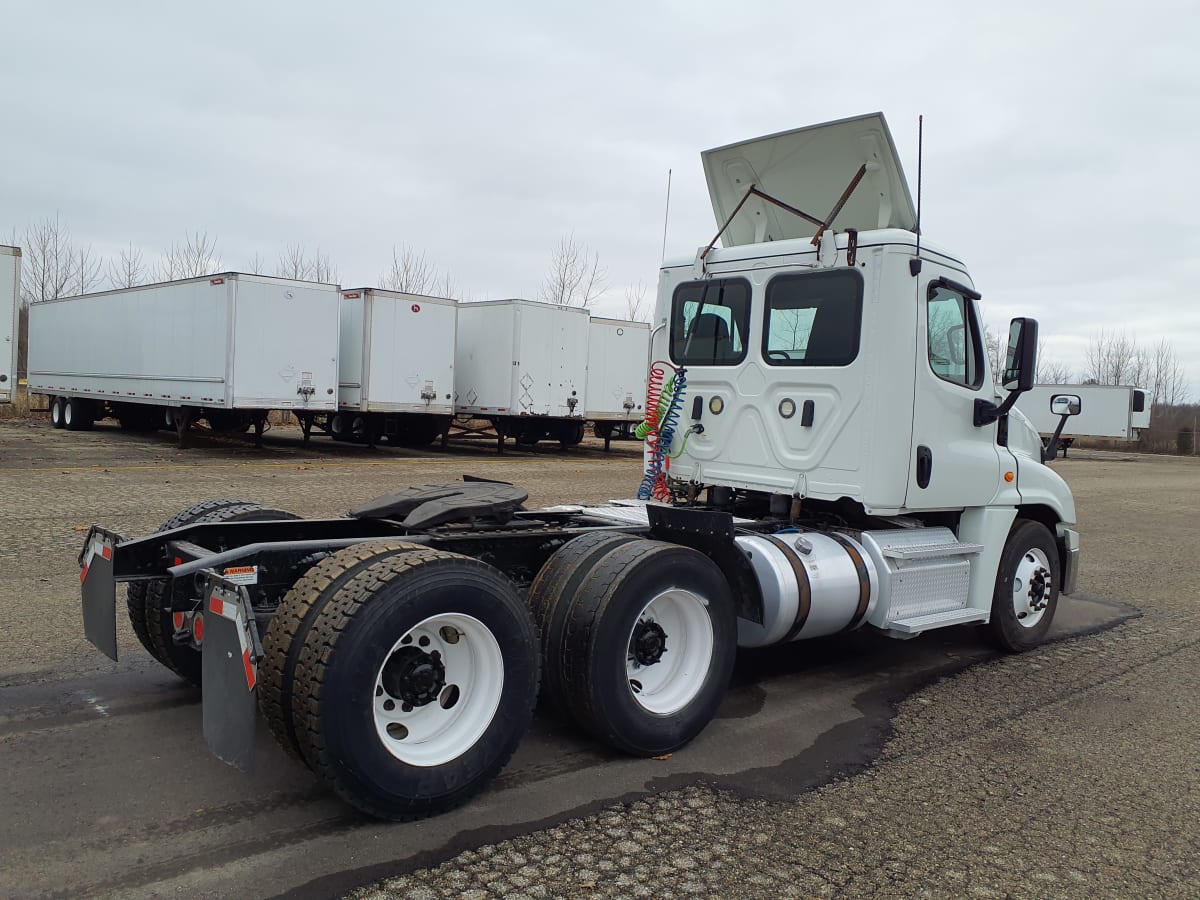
{"x":99,"y":589}
{"x":231,"y":650}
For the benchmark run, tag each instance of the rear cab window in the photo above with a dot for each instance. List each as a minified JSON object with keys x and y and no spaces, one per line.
{"x":813,"y":319}
{"x":710,"y":321}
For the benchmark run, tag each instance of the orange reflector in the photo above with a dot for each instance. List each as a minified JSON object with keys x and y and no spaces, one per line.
{"x":1009,"y":476}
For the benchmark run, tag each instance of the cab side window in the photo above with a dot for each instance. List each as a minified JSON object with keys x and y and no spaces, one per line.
{"x":955,"y":345}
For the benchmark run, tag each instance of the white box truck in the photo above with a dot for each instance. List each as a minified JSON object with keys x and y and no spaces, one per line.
{"x":618,"y":359}
{"x":10,"y":301}
{"x":395,"y":369}
{"x":523,"y":366}
{"x":815,"y":476}
{"x":226,"y":348}
{"x":1105,"y":411}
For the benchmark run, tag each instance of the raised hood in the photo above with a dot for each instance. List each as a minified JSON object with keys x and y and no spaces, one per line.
{"x":809,"y":168}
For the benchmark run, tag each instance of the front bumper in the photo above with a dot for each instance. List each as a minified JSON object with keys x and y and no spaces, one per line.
{"x":1068,"y":550}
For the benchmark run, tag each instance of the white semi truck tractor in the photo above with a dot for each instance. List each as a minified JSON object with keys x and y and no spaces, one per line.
{"x":824,"y":452}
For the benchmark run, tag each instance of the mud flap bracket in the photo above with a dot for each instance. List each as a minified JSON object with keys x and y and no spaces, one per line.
{"x":231,"y":650}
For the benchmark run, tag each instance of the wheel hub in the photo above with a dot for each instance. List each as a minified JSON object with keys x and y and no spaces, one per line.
{"x":413,"y":676}
{"x":1039,"y":589}
{"x":648,"y":644}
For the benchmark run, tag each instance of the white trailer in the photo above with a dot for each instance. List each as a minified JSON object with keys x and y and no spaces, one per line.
{"x":226,"y":348}
{"x":395,"y":369}
{"x":1105,"y":411}
{"x":10,"y":295}
{"x":618,"y":359}
{"x":523,"y":366}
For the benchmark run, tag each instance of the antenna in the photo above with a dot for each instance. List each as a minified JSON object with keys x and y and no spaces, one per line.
{"x":914,"y":264}
{"x":666,"y":215}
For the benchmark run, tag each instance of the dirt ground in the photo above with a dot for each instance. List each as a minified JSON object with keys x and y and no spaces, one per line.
{"x":1068,"y":771}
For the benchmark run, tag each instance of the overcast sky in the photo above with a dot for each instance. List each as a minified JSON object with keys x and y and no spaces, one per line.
{"x":1061,"y":140}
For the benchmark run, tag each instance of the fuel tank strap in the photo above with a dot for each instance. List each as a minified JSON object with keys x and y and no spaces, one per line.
{"x":804,"y":604}
{"x":864,"y":579}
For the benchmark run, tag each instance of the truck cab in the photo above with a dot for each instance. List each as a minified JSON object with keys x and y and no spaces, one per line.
{"x":837,"y":365}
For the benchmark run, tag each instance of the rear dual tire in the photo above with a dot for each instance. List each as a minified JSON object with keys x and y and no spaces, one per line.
{"x":638,"y":637}
{"x":404,"y":676}
{"x":150,"y":613}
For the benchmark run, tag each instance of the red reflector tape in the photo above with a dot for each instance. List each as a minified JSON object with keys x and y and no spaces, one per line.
{"x":106,"y":552}
{"x":217,"y":605}
{"x":216,"y":281}
{"x":83,"y":574}
{"x":249,"y":667}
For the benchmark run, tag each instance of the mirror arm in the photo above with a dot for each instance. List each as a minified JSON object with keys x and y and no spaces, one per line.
{"x":987,"y":412}
{"x":1050,"y":451}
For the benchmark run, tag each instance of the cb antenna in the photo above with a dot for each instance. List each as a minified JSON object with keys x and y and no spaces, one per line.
{"x":914,"y":265}
{"x":666,"y":215}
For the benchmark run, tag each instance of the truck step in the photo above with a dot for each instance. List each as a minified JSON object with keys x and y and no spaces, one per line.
{"x":932,"y":551}
{"x":917,"y":624}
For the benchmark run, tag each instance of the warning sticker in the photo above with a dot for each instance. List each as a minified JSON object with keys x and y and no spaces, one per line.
{"x":242,"y":574}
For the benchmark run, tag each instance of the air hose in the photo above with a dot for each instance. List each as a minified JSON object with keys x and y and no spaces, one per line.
{"x":663,"y":404}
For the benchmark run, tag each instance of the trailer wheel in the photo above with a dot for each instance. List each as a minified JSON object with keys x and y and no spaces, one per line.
{"x":648,"y":647}
{"x":1027,"y":584}
{"x":290,"y":626}
{"x":552,"y":592}
{"x":56,"y":412}
{"x":185,"y":661}
{"x":416,"y":682}
{"x":77,"y":414}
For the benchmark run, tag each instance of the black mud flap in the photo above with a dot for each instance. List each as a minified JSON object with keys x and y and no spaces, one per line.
{"x":231,"y":650}
{"x":99,"y":589}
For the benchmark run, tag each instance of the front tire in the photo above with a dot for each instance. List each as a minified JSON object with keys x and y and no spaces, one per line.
{"x":647,"y":647}
{"x":417,"y":680}
{"x":1027,"y":584}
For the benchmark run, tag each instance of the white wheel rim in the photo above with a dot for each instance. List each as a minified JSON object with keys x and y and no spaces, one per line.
{"x":436,"y":731}
{"x":68,"y":413}
{"x":1031,"y":588}
{"x":669,"y":683}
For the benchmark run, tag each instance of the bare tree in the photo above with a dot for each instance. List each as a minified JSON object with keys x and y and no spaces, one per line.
{"x":47,"y":261}
{"x":295,"y":262}
{"x":635,"y":303}
{"x":995,"y":342}
{"x":127,"y":270}
{"x":1052,"y":371}
{"x":195,"y":256}
{"x":1112,"y":359}
{"x":88,"y":271}
{"x":576,"y":277}
{"x":257,"y":265}
{"x":410,"y":272}
{"x":1166,"y":378}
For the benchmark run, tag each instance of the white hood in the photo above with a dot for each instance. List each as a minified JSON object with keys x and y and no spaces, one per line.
{"x":809,"y":168}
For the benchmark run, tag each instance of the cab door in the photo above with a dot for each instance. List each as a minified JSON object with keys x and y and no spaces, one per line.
{"x":953,"y":463}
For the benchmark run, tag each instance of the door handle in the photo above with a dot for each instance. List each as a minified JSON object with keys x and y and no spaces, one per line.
{"x":924,"y":466}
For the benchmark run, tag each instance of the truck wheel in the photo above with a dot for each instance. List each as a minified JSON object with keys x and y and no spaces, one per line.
{"x":647,"y":647}
{"x":290,"y":625}
{"x":56,"y":412}
{"x":77,"y":414}
{"x":552,"y":592}
{"x":1027,"y":584}
{"x":183,"y":660}
{"x":417,"y":680}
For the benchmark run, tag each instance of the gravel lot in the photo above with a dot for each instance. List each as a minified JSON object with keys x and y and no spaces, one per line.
{"x":1069,"y":771}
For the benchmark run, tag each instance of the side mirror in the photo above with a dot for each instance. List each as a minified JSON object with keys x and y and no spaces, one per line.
{"x":1020,"y":365}
{"x":1065,"y":405}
